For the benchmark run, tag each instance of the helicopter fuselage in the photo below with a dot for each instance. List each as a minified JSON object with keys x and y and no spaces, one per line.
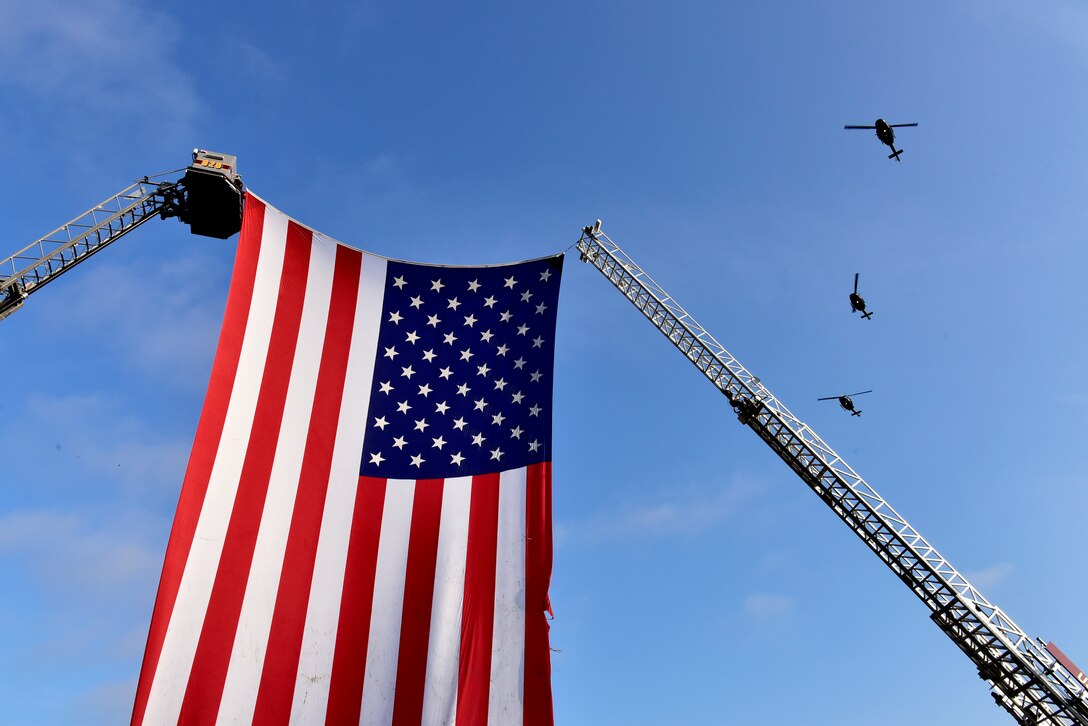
{"x":848,"y":404}
{"x":884,"y":133}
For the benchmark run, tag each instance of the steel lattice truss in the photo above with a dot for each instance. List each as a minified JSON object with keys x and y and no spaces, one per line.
{"x":1024,"y":678}
{"x":68,"y":245}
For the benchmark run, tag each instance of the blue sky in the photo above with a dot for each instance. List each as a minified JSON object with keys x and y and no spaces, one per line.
{"x":696,"y":579}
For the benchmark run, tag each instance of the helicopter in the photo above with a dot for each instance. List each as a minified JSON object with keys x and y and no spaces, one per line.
{"x":857,"y":302}
{"x":846,"y":401}
{"x":885,"y":134}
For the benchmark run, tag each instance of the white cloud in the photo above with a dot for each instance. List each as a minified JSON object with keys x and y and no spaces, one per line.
{"x":163,"y":318}
{"x":83,"y":585}
{"x":92,"y":441}
{"x":256,"y":63}
{"x":764,"y":606}
{"x":1067,"y":20}
{"x":104,"y":57}
{"x":778,"y":559}
{"x":65,"y":552}
{"x":381,"y":188}
{"x":697,"y":513}
{"x":1063,"y":20}
{"x":990,"y":577}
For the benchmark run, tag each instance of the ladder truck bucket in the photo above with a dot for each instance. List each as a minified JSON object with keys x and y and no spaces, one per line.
{"x":213,"y":191}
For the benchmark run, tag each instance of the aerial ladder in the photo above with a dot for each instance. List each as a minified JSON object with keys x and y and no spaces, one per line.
{"x":208,"y":197}
{"x":1031,"y":680}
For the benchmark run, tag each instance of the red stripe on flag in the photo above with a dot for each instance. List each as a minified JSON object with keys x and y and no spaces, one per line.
{"x":209,"y":669}
{"x":538,"y":575}
{"x":415,"y":624}
{"x":289,"y":615}
{"x":206,"y":443}
{"x":353,"y":633}
{"x":478,"y":609}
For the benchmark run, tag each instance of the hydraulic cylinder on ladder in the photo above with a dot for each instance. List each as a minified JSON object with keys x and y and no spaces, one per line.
{"x":208,"y":197}
{"x":1031,"y":680}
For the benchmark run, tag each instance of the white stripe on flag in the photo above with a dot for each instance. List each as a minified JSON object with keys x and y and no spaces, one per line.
{"x":508,"y":641}
{"x":311,"y":695}
{"x":383,"y":645}
{"x":444,"y":648}
{"x":255,"y":620}
{"x":187,"y":618}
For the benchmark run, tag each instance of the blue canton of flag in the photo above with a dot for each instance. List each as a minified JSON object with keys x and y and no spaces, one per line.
{"x":463,"y":378}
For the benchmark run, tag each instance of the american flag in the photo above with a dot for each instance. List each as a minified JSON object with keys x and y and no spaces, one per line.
{"x":364,"y":528}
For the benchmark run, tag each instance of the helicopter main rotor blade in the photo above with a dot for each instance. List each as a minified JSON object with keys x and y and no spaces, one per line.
{"x":898,"y":126}
{"x":829,"y":398}
{"x":858,"y":393}
{"x":862,"y":127}
{"x":856,"y":282}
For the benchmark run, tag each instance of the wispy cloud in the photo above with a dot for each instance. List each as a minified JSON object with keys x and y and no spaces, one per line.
{"x":104,"y":58}
{"x":64,"y":552}
{"x":92,"y":440}
{"x":777,"y":559}
{"x":382,"y":188}
{"x":990,"y":577}
{"x":1063,"y":20}
{"x":765,"y":606}
{"x":165,"y":317}
{"x":84,"y":592}
{"x":256,"y":63}
{"x":1070,"y":398}
{"x":687,"y":516}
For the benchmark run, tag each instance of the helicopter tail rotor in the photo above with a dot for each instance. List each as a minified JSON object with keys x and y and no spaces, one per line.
{"x":895,"y":154}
